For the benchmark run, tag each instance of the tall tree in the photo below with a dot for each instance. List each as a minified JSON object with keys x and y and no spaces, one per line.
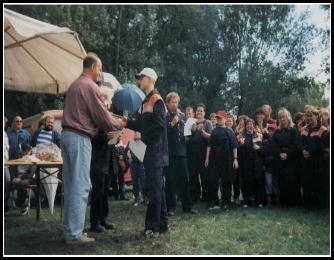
{"x":233,"y":57}
{"x":272,"y":46}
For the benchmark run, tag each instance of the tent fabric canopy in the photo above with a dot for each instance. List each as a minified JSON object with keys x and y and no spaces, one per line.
{"x":39,"y":57}
{"x":110,"y":81}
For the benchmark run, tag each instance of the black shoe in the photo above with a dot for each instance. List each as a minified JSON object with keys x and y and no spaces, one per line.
{"x":170,"y":213}
{"x":97,"y":228}
{"x":164,"y":229}
{"x":108,"y":225}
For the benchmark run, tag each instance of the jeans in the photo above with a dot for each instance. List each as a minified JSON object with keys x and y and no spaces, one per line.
{"x":138,"y":179}
{"x":76,"y":153}
{"x":271,"y":184}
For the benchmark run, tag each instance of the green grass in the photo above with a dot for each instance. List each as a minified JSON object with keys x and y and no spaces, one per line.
{"x":240,"y":231}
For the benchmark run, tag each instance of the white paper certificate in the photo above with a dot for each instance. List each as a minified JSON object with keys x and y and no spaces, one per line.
{"x":188,"y":125}
{"x":138,"y":148}
{"x":115,"y":139}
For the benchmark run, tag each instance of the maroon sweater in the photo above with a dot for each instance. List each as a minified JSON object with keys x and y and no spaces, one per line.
{"x":84,"y":109}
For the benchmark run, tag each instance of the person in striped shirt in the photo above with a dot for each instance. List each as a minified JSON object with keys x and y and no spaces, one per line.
{"x":46,"y":134}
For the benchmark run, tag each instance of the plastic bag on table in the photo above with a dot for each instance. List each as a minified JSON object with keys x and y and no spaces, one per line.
{"x":47,"y":152}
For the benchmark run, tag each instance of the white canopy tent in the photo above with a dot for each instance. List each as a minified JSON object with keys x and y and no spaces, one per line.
{"x":110,"y":81}
{"x":39,"y":57}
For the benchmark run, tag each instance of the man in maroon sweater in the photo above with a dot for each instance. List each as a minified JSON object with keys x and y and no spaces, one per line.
{"x":84,"y":113}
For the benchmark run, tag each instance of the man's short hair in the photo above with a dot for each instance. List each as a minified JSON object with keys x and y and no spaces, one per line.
{"x":189,"y":108}
{"x":172,"y":95}
{"x":90,"y":60}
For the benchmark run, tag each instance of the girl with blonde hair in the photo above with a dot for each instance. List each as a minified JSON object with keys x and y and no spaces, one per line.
{"x":286,"y":145}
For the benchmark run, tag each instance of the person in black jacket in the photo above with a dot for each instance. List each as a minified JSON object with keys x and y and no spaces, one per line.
{"x":176,"y":174}
{"x":100,"y":178}
{"x":285,"y":148}
{"x":151,"y":123}
{"x":99,"y":174}
{"x":200,"y":134}
{"x":325,"y":122}
{"x":313,"y":146}
{"x":222,"y":156}
{"x":251,"y":164}
{"x":271,"y":182}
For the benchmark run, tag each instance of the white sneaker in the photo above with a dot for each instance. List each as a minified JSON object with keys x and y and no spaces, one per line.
{"x":25,"y":211}
{"x":215,"y":207}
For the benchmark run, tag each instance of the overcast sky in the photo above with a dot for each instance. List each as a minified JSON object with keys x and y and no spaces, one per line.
{"x":318,"y":17}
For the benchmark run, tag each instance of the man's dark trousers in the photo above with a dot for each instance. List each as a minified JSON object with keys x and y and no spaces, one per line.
{"x":156,"y":214}
{"x":177,"y":182}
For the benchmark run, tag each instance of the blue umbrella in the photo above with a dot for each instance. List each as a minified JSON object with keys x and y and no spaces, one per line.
{"x":128,"y":99}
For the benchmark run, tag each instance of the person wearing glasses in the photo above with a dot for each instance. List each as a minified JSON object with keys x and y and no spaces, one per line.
{"x":16,"y":137}
{"x":151,"y":123}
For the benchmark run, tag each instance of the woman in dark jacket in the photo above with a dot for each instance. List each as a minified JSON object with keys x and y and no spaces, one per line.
{"x":325,"y":121}
{"x":99,"y":174}
{"x":251,"y":166}
{"x":313,"y":147}
{"x":285,"y":145}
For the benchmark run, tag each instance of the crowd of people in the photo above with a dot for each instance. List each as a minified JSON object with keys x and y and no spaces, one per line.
{"x":19,"y":143}
{"x":251,"y":161}
{"x":263,"y":161}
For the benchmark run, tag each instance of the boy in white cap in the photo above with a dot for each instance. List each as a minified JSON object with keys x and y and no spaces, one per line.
{"x":151,"y":123}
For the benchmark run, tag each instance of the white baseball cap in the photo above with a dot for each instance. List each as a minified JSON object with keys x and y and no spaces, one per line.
{"x":149,"y":73}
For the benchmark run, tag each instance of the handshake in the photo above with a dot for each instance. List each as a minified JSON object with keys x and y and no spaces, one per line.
{"x":124,"y":121}
{"x":121,"y":121}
